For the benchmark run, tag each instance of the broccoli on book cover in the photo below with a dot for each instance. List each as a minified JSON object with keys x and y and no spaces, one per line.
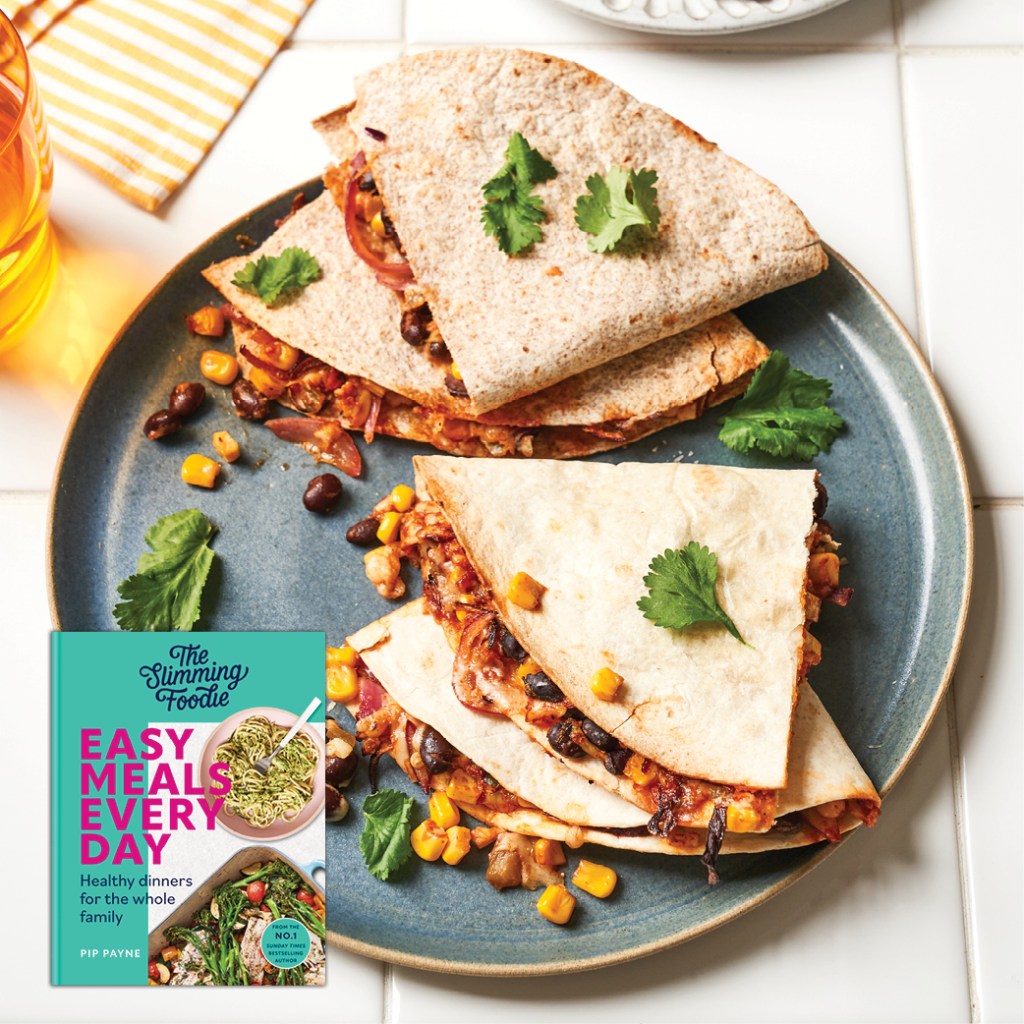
{"x":177,"y":859}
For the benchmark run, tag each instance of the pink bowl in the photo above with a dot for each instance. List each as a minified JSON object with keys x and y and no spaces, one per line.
{"x":281,"y":827}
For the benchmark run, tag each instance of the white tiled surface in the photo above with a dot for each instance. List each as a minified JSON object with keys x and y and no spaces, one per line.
{"x":968,"y":201}
{"x":897,"y":126}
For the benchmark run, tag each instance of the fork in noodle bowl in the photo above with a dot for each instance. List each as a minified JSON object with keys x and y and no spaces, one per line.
{"x":285,"y":789}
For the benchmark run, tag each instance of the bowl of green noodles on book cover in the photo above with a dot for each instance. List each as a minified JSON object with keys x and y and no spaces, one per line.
{"x":284,"y":800}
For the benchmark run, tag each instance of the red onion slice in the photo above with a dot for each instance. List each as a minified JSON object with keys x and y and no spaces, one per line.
{"x":326,"y":440}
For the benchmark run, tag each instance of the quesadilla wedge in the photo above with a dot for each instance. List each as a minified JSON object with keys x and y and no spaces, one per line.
{"x":426,"y":132}
{"x":494,"y":772}
{"x":335,"y":352}
{"x":702,"y":719}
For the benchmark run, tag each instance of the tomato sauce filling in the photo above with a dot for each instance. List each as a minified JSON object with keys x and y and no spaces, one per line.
{"x":494,"y":674}
{"x":383,"y":727}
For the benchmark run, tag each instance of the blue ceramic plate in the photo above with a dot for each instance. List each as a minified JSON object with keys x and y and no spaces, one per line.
{"x":899,"y":504}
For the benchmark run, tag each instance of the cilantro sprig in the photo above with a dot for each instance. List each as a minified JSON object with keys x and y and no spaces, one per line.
{"x":164,"y":592}
{"x":621,"y":205}
{"x":271,"y":277}
{"x":681,"y":590}
{"x":512,"y":212}
{"x":384,"y":842}
{"x":783,"y":413}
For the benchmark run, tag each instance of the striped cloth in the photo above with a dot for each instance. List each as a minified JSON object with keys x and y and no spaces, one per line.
{"x":138,"y":90}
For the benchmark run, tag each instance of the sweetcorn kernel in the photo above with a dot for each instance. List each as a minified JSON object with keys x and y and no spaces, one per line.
{"x":279,"y":354}
{"x":428,"y":840}
{"x":739,"y":818}
{"x":403,"y":497}
{"x":442,"y":810}
{"x":462,"y":786}
{"x":604,"y":684}
{"x":458,"y":844}
{"x":594,"y":878}
{"x":208,"y":321}
{"x":549,"y":853}
{"x":226,"y":446}
{"x":525,"y":591}
{"x":342,"y":656}
{"x":556,"y":904}
{"x":640,"y":770}
{"x":199,"y":471}
{"x":220,"y":367}
{"x":342,"y":684}
{"x":390,"y":524}
{"x":266,"y":384}
{"x":527,"y":667}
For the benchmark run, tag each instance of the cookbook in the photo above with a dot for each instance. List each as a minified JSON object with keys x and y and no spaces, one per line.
{"x":180,"y":855}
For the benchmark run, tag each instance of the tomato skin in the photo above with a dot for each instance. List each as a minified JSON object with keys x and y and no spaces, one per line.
{"x":304,"y":897}
{"x":256,"y":891}
{"x":153,"y":972}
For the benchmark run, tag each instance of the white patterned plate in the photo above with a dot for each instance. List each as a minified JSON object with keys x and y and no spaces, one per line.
{"x":698,"y":17}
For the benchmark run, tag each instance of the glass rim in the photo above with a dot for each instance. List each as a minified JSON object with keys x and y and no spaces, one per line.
{"x":20,"y":55}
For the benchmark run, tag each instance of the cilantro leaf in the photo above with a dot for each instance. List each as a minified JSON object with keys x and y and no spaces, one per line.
{"x":783,"y":413}
{"x":165,"y":590}
{"x":270,"y":277}
{"x":512,"y":212}
{"x":384,"y":842}
{"x":681,"y":590}
{"x":621,"y":204}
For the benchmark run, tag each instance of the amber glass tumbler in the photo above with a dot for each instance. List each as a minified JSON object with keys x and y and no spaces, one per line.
{"x":28,"y":256}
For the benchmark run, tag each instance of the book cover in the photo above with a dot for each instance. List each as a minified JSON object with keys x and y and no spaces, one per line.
{"x":175,"y":860}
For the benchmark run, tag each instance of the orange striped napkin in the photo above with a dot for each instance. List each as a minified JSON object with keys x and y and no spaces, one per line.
{"x":138,"y":90}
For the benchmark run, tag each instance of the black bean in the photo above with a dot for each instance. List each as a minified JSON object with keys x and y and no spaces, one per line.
{"x":375,"y":133}
{"x":364,"y":532}
{"x":389,"y":228}
{"x":186,"y":398}
{"x":510,"y":646}
{"x":162,"y":423}
{"x":332,"y":770}
{"x":439,"y":350}
{"x":538,"y":685}
{"x":601,"y":739}
{"x":456,"y":388}
{"x":338,"y":771}
{"x":248,"y":402}
{"x":615,"y":760}
{"x":335,"y":804}
{"x":367,"y":184}
{"x":322,"y":493}
{"x":574,"y":714}
{"x":820,"y":500}
{"x":560,"y":738}
{"x":415,"y":329}
{"x":437,"y":753}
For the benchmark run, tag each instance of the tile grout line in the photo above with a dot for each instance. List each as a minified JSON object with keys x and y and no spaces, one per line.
{"x":952,"y":733}
{"x":915,"y":249}
{"x":960,"y":814}
{"x":388,"y":977}
{"x":734,"y":49}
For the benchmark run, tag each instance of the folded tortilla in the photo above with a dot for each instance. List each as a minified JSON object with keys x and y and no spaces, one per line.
{"x":433,"y":128}
{"x":351,"y":323}
{"x":696,"y":701}
{"x":408,"y":655}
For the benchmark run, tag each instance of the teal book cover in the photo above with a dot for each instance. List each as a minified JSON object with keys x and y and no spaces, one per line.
{"x":177,"y":857}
